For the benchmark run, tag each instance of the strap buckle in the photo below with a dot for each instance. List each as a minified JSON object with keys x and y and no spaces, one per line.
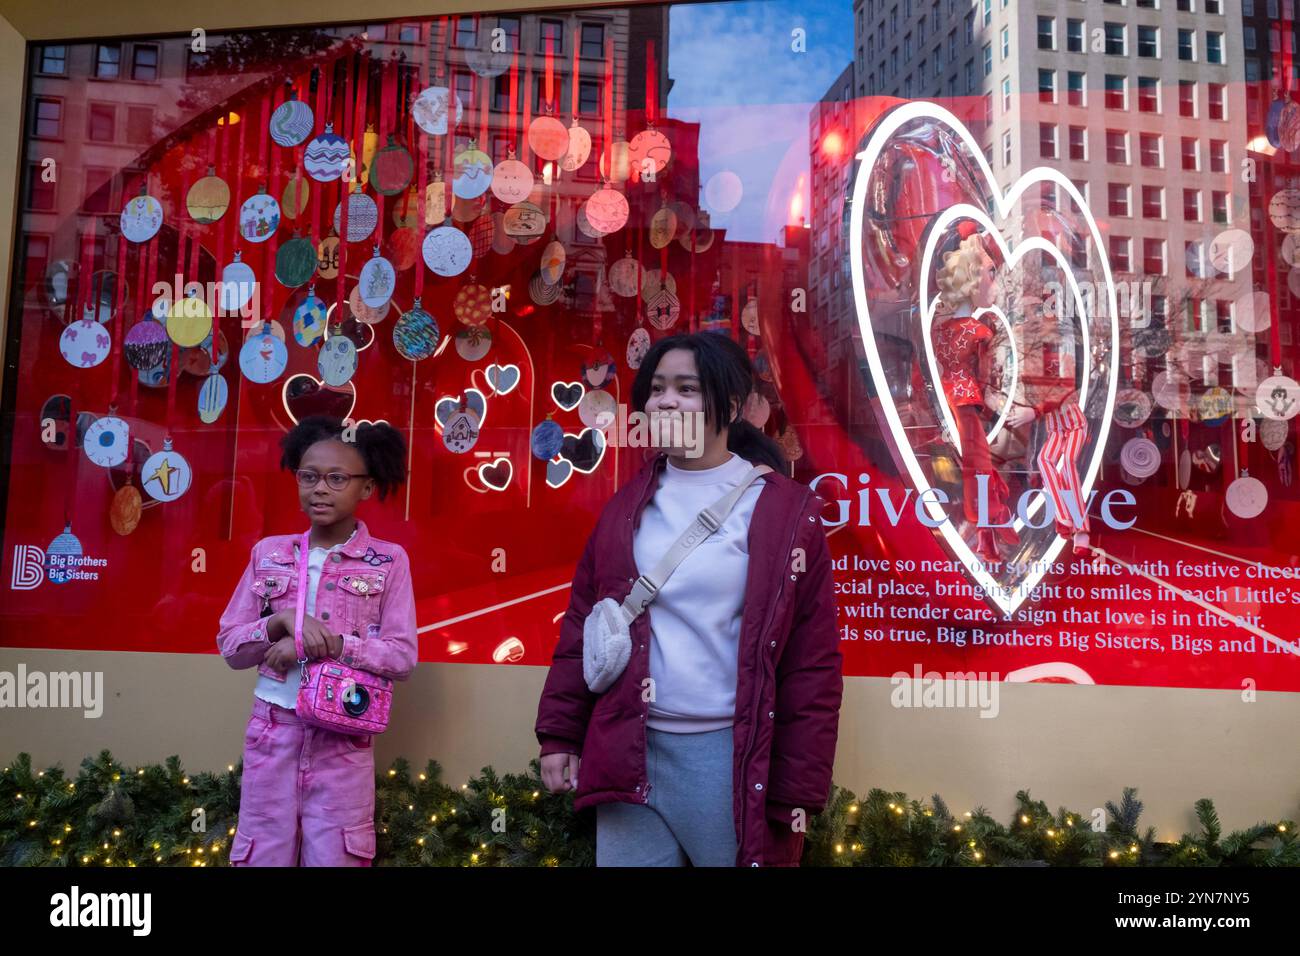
{"x":649,"y":588}
{"x":709,"y":520}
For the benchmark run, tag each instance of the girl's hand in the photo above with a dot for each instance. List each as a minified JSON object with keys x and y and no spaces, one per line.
{"x":1020,"y":416}
{"x":560,"y":772}
{"x":318,"y":640}
{"x":281,"y":655}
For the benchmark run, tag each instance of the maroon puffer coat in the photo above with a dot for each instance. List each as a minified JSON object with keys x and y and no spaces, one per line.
{"x":788,"y":681}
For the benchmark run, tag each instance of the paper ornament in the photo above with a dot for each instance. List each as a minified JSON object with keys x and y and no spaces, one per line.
{"x":1246,"y":497}
{"x":652,"y":145}
{"x":1214,"y":406}
{"x":326,"y":156}
{"x":524,"y":221}
{"x":124,"y":513}
{"x":541,"y":291}
{"x":606,"y":210}
{"x":309,"y":319}
{"x":699,"y":238}
{"x":327,"y":258}
{"x":663,"y":226}
{"x":403,"y":248}
{"x":653,"y":280}
{"x":1288,"y":126}
{"x":1273,"y":122}
{"x":512,"y":181}
{"x":377,"y":281}
{"x":1231,"y":251}
{"x":663,"y":310}
{"x":189,"y":321}
{"x":107,"y":441}
{"x":1132,"y":408}
{"x":1290,"y":252}
{"x":362,"y":311}
{"x":597,"y":409}
{"x":473,"y":342}
{"x":59,"y":567}
{"x":392,"y":169}
{"x":85,"y":343}
{"x":757,"y":410}
{"x":502,"y":243}
{"x":141,"y":219}
{"x":586,"y":228}
{"x":481,"y":233}
{"x":1140,"y":457}
{"x":208,"y":199}
{"x":1278,"y":396}
{"x":166,"y":475}
{"x":146,"y":344}
{"x":1171,"y":390}
{"x":724,"y":190}
{"x":547,"y":137}
{"x":447,"y":251}
{"x":416,"y":334}
{"x":1252,"y":312}
{"x":491,"y":62}
{"x":259,"y":217}
{"x":199,"y":360}
{"x":363,"y":217}
{"x":545,"y":441}
{"x":638,"y":344}
{"x":369,"y":147}
{"x":337,"y":360}
{"x":473,"y":169}
{"x":615,"y":163}
{"x":238,"y":284}
{"x":473,"y":304}
{"x":294,"y":199}
{"x":292,"y":121}
{"x":578,"y":150}
{"x":430,"y":110}
{"x":460,"y":433}
{"x":625,"y":275}
{"x":749,"y":317}
{"x":295,"y":262}
{"x":1284,"y":210}
{"x":213,"y":396}
{"x":468,"y":210}
{"x":263,"y":357}
{"x":553,"y":257}
{"x":406,"y":209}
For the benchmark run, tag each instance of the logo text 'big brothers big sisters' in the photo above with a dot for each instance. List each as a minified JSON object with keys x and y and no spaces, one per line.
{"x":32,"y":566}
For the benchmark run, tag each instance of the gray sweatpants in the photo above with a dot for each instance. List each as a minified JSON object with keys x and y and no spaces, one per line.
{"x":688,"y":818}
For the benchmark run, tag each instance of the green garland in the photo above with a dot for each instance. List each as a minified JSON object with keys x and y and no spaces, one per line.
{"x":157,"y":815}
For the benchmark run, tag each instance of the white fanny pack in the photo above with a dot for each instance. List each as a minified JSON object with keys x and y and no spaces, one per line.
{"x":606,"y":633}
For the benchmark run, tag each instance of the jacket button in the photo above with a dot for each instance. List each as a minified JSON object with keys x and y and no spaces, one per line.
{"x":774,"y":643}
{"x":325,"y":615}
{"x":812,"y":518}
{"x":329,"y":585}
{"x":771,"y":714}
{"x":755,"y":863}
{"x":638,"y":788}
{"x":336,"y":557}
{"x":758,"y":786}
{"x":793,"y":578}
{"x":257,"y":633}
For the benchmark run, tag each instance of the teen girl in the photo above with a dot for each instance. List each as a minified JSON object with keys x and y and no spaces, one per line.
{"x":308,"y":795}
{"x":734,"y":676}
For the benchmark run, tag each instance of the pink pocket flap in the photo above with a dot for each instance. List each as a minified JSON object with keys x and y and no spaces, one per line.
{"x":360,"y":840}
{"x":242,"y":848}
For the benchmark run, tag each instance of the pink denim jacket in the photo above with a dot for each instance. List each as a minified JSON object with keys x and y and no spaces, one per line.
{"x":364,"y":593}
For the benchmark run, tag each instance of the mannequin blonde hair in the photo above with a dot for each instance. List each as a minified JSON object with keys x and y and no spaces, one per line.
{"x":959,"y":276}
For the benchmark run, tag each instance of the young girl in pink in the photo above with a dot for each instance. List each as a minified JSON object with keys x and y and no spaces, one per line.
{"x":308,"y":795}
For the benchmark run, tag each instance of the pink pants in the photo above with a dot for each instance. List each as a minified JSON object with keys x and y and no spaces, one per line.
{"x":1067,"y":430}
{"x":308,"y":795}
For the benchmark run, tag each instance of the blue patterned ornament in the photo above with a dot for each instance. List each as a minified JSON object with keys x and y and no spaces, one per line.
{"x":337,"y":361}
{"x":213,"y":397}
{"x":263,"y":357}
{"x":326,"y":156}
{"x":309,"y":319}
{"x":546,"y":440}
{"x":416,"y":334}
{"x":60,"y":554}
{"x":292,"y":121}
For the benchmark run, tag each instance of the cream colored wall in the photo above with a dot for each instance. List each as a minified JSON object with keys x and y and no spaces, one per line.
{"x":1068,"y":745}
{"x":12,"y":64}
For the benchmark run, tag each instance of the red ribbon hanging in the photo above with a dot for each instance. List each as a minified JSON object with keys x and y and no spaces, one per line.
{"x":607,"y":121}
{"x":651,"y":90}
{"x":514,"y":103}
{"x":344,"y":185}
{"x":119,"y":299}
{"x":550,"y":70}
{"x":422,"y":164}
{"x":524,"y":151}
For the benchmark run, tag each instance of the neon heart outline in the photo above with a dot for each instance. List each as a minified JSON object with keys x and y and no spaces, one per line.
{"x":884,"y":129}
{"x":604,"y":446}
{"x":492,"y":464}
{"x":501,"y":370}
{"x":557,"y":460}
{"x":320,"y":383}
{"x":556,"y":400}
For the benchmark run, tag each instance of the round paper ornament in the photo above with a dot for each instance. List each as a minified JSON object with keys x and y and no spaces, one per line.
{"x":1293,"y":281}
{"x":363,"y":312}
{"x":524,"y":221}
{"x":403,"y":248}
{"x":124,"y":512}
{"x":553,"y":257}
{"x":1171,"y":390}
{"x":1246,"y":497}
{"x":363,"y":217}
{"x":263,"y":357}
{"x":649,"y":144}
{"x":1231,"y":251}
{"x":473,"y":172}
{"x":1284,"y":210}
{"x":406,"y":209}
{"x":757,"y":410}
{"x":467,"y":210}
{"x":788,"y":439}
{"x":190,"y":321}
{"x":326,"y":156}
{"x":1252,"y":312}
{"x":663,"y":226}
{"x":502,"y":243}
{"x":473,"y":342}
{"x":1151,"y":342}
{"x":85,"y":343}
{"x":435,"y":201}
{"x":1214,"y":406}
{"x":268,"y":325}
{"x":198,"y":359}
{"x":295,"y":262}
{"x":663,"y":310}
{"x":624,"y":276}
{"x":309,"y":319}
{"x":327,"y":258}
{"x":447,"y":251}
{"x":762,"y":366}
{"x":547,"y":137}
{"x":259,"y":217}
{"x":1278,"y":396}
{"x":107,"y":441}
{"x":291,"y":121}
{"x":146,"y":344}
{"x":141,"y":218}
{"x":238,"y":284}
{"x":1288,"y":126}
{"x":460,"y":433}
{"x":512,"y":181}
{"x":1291,"y":249}
{"x":1132,"y":408}
{"x":102,"y":297}
{"x":699,"y":238}
{"x":158,"y":376}
{"x":481,"y":232}
{"x":607,"y":209}
{"x":578,"y":150}
{"x":586,"y":228}
{"x":654,"y":280}
{"x":473,"y":304}
{"x":337,"y":360}
{"x":1273,"y":122}
{"x":749,"y":317}
{"x":213,"y":397}
{"x":685,"y":214}
{"x":392,"y":169}
{"x":620,"y":168}
{"x":1184,"y":468}
{"x":166,"y":475}
{"x":430,"y":110}
{"x":599,"y":370}
{"x":58,"y":564}
{"x":546,"y":440}
{"x":1273,"y":433}
{"x":723,"y":191}
{"x":543,"y":292}
{"x":1140,"y":457}
{"x":597,"y":409}
{"x":208,"y":199}
{"x":294,"y":199}
{"x":416,"y":334}
{"x":638,"y":344}
{"x":377,"y":281}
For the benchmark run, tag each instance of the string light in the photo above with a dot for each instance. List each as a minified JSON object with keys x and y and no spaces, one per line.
{"x":1051,"y":833}
{"x":979,"y":855}
{"x":1114,"y":854}
{"x":1023,"y":818}
{"x":957,"y":827}
{"x":853,"y":808}
{"x":1281,"y":828}
{"x":839,"y":848}
{"x":423,"y":777}
{"x":392,"y":773}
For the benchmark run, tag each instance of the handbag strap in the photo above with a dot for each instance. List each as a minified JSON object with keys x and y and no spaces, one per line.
{"x":706,"y":522}
{"x":303,"y":551}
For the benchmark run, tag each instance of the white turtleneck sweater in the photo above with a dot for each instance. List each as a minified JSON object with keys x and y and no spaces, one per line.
{"x":695,"y":618}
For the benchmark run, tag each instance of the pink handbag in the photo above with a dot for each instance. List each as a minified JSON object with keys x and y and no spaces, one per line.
{"x":332,"y":695}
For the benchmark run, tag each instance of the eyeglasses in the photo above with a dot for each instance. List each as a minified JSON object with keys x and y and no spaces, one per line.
{"x":338,"y":480}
